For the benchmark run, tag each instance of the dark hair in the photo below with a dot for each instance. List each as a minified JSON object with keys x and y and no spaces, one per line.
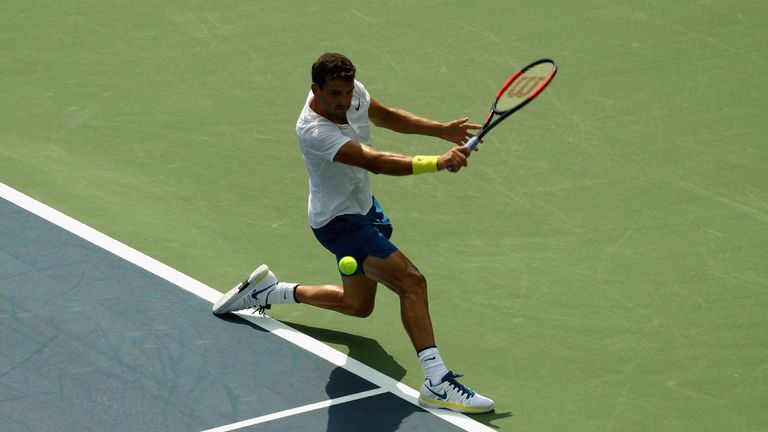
{"x":332,"y":65}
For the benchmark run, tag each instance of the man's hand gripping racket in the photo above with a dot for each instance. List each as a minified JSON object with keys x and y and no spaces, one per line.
{"x":520,"y":89}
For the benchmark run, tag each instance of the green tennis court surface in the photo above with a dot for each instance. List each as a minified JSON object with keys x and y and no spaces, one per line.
{"x":601,"y":264}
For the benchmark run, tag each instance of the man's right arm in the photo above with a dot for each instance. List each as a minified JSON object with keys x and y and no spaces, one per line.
{"x":376,"y":162}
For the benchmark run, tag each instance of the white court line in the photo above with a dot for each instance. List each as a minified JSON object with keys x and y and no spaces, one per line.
{"x":296,"y":411}
{"x":211,"y":295}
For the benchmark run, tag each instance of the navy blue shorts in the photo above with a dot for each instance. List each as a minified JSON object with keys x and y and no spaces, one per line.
{"x":358,"y":236}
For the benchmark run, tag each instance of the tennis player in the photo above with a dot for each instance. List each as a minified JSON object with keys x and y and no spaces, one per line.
{"x":334,"y":135}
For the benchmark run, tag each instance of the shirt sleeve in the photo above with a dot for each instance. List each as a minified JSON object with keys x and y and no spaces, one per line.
{"x":322,"y":141}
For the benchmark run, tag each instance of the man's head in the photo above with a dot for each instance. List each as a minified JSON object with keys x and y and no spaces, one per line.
{"x":333,"y":81}
{"x":332,"y":66}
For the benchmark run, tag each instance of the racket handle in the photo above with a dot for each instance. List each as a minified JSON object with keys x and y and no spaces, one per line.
{"x":473,"y":142}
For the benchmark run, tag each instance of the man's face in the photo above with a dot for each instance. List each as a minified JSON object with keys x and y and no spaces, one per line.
{"x":334,"y":98}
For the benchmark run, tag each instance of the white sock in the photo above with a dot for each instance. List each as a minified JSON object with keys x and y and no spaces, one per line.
{"x":284,"y":293}
{"x":434,"y":368}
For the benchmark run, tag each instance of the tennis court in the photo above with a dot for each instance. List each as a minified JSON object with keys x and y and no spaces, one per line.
{"x":600,"y":265}
{"x":98,"y":336}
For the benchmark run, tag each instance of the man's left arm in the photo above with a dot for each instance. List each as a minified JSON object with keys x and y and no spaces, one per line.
{"x":457,"y":131}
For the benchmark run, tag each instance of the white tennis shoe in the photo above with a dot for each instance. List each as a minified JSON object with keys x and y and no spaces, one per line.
{"x":252,"y":293}
{"x":451,"y":394}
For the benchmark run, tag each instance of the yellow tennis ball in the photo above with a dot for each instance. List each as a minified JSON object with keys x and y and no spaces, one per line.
{"x":347,"y":265}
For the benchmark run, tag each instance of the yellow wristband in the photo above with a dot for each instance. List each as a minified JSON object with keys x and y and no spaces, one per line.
{"x":425,"y":164}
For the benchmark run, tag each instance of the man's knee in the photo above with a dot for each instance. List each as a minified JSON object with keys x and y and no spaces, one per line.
{"x":399,"y":274}
{"x":360,"y":309}
{"x":414,"y":283}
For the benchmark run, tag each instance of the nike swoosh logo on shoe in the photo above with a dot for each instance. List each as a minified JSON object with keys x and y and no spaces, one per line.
{"x":442,"y":396}
{"x":255,"y":294}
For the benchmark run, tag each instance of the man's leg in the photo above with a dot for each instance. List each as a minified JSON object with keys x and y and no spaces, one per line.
{"x":399,"y":274}
{"x":440,"y":388}
{"x":357,"y":297}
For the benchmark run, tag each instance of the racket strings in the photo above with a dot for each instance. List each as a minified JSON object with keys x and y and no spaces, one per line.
{"x":523,"y":86}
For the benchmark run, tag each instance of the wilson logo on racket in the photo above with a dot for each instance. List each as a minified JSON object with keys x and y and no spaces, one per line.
{"x":524,"y":86}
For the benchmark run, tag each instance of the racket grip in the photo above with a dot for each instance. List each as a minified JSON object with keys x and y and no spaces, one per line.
{"x":473,"y":142}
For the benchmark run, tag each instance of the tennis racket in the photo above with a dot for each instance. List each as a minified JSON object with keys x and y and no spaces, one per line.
{"x":519,"y":90}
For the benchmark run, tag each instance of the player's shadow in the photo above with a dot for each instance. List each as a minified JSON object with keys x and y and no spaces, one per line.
{"x":356,"y":416}
{"x":490,"y":417}
{"x":363,"y":349}
{"x":383,"y":412}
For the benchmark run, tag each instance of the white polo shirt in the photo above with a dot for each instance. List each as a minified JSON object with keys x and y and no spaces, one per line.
{"x":335,"y":188}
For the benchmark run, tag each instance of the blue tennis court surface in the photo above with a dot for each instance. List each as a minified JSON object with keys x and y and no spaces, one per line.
{"x":91,"y":341}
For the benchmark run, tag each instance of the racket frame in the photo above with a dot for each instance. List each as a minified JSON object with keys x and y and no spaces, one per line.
{"x":487,"y":126}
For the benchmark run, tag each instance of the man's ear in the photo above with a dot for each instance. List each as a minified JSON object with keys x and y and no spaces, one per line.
{"x":315,"y":89}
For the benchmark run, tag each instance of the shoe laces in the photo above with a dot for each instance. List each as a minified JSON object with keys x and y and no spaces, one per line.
{"x":257,"y":306}
{"x":468,"y":392}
